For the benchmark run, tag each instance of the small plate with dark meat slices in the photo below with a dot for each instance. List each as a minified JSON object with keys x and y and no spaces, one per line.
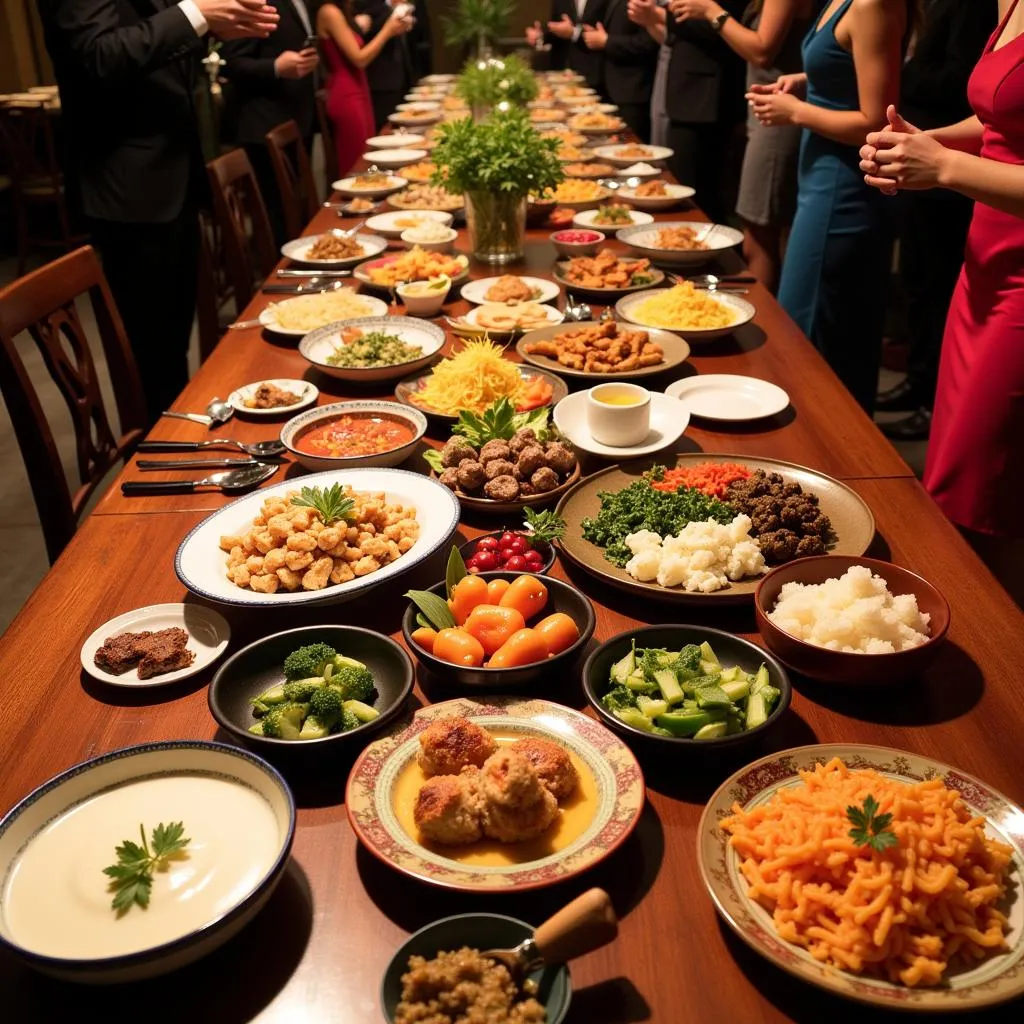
{"x":155,"y":645}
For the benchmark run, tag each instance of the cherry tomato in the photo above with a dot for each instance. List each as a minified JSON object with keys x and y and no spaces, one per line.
{"x":516,"y":563}
{"x":458,"y":647}
{"x":487,"y":544}
{"x":524,"y":647}
{"x":486,"y":561}
{"x":492,"y":625}
{"x":496,"y":590}
{"x":558,"y":631}
{"x":527,"y":593}
{"x":534,"y":559}
{"x":466,"y":595}
{"x":519,"y":545}
{"x":503,"y":556}
{"x":506,"y":539}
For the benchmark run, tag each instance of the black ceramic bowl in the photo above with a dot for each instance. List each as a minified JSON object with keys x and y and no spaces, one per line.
{"x":546,"y":549}
{"x":731,"y":650}
{"x":561,"y":598}
{"x":478,"y":931}
{"x":261,"y":665}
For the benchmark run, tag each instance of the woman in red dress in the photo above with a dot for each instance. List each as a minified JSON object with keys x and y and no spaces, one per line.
{"x":975,"y":467}
{"x":348,"y":94}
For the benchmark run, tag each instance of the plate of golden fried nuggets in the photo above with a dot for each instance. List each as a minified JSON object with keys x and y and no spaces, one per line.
{"x":290,"y":548}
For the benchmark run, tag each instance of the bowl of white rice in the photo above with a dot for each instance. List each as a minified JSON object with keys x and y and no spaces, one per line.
{"x":842,"y":619}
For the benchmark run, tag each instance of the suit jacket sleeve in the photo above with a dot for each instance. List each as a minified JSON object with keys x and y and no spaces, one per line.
{"x":246,"y":64}
{"x":629,"y":47}
{"x":379,"y":15}
{"x":108,"y":51}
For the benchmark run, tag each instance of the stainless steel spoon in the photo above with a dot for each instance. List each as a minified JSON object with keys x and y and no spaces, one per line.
{"x":307,"y":287}
{"x":258,"y":449}
{"x":314,"y":273}
{"x":229,"y":480}
{"x":713,"y":280}
{"x":218,"y":411}
{"x":585,"y":924}
{"x":576,"y":311}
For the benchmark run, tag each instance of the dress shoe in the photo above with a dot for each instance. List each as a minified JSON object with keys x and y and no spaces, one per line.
{"x":914,"y":427}
{"x":904,"y":397}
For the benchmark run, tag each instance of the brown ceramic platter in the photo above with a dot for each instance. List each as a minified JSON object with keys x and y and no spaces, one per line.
{"x":410,"y":385}
{"x":852,"y":521}
{"x":480,"y":504}
{"x":676,"y":350}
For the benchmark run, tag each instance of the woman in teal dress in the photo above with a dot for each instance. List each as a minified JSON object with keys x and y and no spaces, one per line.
{"x":833,"y":275}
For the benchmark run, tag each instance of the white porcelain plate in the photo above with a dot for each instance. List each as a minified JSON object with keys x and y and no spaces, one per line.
{"x":306,"y":393}
{"x":397,"y":157}
{"x":674,"y":194}
{"x":621,"y":156}
{"x":743,"y":313}
{"x":394,"y":222}
{"x":395,"y":140}
{"x":207,"y":629}
{"x":476,"y":291}
{"x":298,"y":250}
{"x":668,"y":421}
{"x":201,"y":565}
{"x":368,"y":305}
{"x":587,"y":219}
{"x":728,"y":397}
{"x":350,"y":187}
{"x":472,"y":317}
{"x":714,"y":238}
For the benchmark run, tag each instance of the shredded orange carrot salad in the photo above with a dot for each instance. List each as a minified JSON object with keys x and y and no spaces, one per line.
{"x":904,"y":913}
{"x":710,"y":477}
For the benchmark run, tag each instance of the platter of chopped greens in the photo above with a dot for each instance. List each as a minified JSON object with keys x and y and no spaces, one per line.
{"x":615,"y":515}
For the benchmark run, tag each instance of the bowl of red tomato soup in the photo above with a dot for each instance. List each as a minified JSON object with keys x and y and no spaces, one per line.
{"x":360,"y":433}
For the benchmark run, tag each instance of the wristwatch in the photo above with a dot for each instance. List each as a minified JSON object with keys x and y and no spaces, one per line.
{"x":719,"y":20}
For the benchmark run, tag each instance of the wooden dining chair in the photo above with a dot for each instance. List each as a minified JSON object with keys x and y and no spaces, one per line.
{"x":215,"y":307}
{"x":249,"y":253}
{"x":42,"y":304}
{"x":294,"y":176}
{"x":331,"y":169}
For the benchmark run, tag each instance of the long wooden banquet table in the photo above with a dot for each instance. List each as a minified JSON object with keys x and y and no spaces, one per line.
{"x":318,"y":950}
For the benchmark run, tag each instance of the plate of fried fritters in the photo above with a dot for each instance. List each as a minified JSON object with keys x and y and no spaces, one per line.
{"x":497,"y":795}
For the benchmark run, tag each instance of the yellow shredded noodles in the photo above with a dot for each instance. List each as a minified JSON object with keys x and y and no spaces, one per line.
{"x":683,"y":308}
{"x":902,"y":914}
{"x":474,"y":379}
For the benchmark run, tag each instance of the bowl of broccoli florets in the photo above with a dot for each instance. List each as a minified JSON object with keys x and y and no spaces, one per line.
{"x":316,"y":684}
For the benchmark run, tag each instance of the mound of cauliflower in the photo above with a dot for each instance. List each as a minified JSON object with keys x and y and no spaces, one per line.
{"x":702,"y":558}
{"x":855,"y":613}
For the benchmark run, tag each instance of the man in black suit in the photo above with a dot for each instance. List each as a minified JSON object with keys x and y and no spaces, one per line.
{"x":133,"y":162}
{"x":390,"y":75}
{"x":564,"y":33}
{"x":271,"y":81}
{"x":630,"y":59}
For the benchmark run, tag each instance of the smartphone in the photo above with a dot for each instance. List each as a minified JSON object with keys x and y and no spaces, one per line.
{"x":311,"y":43}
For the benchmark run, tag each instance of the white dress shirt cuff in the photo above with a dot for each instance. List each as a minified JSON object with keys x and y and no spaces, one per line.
{"x":195,"y":17}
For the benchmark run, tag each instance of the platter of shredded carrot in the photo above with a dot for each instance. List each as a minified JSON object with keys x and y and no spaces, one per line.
{"x":928,"y":917}
{"x":710,"y":477}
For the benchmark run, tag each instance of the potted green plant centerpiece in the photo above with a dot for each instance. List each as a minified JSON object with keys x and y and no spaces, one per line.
{"x":488,"y":84}
{"x":479,"y":22}
{"x":496,"y":164}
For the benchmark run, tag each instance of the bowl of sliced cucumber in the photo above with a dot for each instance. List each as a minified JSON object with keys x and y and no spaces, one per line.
{"x":686,"y":686}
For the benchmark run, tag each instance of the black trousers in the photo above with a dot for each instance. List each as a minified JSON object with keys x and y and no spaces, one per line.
{"x":385,"y":102}
{"x":699,"y":160}
{"x":638,"y":117}
{"x":152,"y":270}
{"x":935,"y":224}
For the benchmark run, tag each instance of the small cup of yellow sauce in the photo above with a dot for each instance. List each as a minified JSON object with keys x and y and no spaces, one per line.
{"x":619,"y":414}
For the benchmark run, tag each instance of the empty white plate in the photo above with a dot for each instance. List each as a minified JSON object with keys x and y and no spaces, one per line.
{"x":208,"y":633}
{"x":668,"y":421}
{"x":728,"y":397}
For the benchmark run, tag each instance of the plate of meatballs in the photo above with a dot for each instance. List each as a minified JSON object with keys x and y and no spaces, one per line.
{"x":500,"y":795}
{"x":506,"y":476}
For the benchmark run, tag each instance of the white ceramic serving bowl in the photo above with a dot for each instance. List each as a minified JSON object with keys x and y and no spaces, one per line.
{"x":297,"y":250}
{"x":428,"y":304}
{"x":392,"y":158}
{"x":743,"y":311}
{"x":570,"y":249}
{"x":619,"y":425}
{"x":395,"y":140}
{"x":390,"y":224}
{"x":201,"y":565}
{"x":716,"y":238}
{"x":53,"y":800}
{"x":316,"y":346}
{"x":446,"y":244}
{"x":305,"y":421}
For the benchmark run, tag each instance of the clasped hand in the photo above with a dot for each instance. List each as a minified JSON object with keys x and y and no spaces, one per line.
{"x":776,"y":104}
{"x":902,"y":156}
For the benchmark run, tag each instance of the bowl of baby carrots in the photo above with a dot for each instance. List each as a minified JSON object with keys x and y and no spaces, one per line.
{"x":498,"y":629}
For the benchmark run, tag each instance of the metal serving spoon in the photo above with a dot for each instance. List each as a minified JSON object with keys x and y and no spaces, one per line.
{"x":313,"y":284}
{"x":576,"y":311}
{"x":314,"y":273}
{"x":713,"y":280}
{"x":218,"y":411}
{"x":258,"y":449}
{"x":229,"y":480}
{"x":585,"y":924}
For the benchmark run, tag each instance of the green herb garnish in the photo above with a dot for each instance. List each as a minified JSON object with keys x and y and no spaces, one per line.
{"x":432,"y":457}
{"x":869,"y":827}
{"x":132,"y":875}
{"x":546,"y":526}
{"x":500,"y":421}
{"x":331,"y":502}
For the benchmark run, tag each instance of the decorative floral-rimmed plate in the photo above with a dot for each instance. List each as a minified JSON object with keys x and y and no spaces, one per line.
{"x":618,"y":795}
{"x":997,"y":979}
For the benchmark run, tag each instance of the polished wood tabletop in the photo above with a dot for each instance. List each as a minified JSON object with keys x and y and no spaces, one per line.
{"x":318,"y":950}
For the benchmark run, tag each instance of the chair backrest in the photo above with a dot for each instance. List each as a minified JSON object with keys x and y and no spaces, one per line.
{"x":242,"y":220}
{"x":26,"y":135}
{"x":214,"y":293}
{"x":294,"y":176}
{"x":333,"y":172}
{"x":42,"y":304}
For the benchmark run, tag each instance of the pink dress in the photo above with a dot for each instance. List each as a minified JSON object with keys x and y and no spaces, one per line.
{"x":975,"y":467}
{"x":348,"y":105}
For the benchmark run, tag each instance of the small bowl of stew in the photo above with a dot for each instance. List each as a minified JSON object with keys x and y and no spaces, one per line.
{"x":348,"y":434}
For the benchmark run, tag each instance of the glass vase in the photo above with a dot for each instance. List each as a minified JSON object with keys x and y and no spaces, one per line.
{"x":497,"y":224}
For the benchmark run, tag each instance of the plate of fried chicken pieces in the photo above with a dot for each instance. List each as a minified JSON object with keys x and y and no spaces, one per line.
{"x":615,"y":351}
{"x":496,"y":795}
